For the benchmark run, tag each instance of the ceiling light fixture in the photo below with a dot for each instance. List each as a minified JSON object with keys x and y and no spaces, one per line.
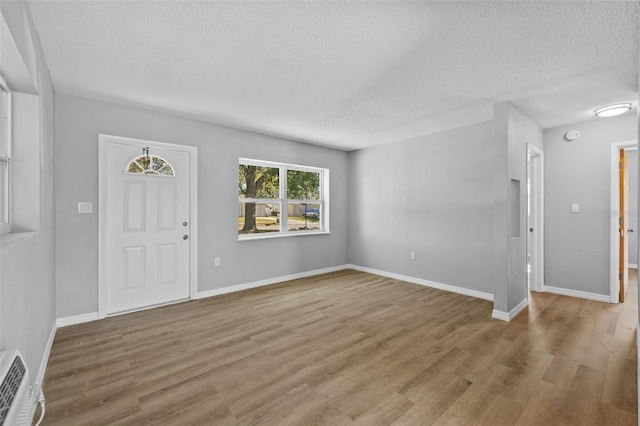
{"x":612,"y":110}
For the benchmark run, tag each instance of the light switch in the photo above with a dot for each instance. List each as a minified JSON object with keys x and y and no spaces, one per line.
{"x":85,"y":207}
{"x":575,"y":208}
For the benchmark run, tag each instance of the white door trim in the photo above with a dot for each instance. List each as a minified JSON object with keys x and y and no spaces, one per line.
{"x":103,"y":141}
{"x":537,"y":214}
{"x":614,"y":231}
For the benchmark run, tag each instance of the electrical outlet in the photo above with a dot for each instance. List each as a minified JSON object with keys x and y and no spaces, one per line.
{"x":413,"y":255}
{"x":85,"y":207}
{"x":216,"y":261}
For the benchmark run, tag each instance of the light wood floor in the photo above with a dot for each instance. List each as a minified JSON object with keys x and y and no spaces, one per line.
{"x":349,"y":348}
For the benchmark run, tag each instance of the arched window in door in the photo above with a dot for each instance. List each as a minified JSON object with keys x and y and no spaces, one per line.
{"x":150,"y":165}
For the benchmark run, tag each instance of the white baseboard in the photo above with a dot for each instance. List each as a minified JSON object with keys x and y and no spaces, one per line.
{"x":45,"y":355}
{"x":36,"y":389}
{"x":633,"y":265}
{"x":77,"y":319}
{"x":577,"y":293}
{"x":504,"y":316}
{"x":92,"y":316}
{"x":262,"y":283}
{"x":426,"y":283}
{"x":508,"y":316}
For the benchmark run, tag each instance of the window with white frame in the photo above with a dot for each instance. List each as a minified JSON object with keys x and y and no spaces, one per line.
{"x":5,"y":158}
{"x":281,"y":199}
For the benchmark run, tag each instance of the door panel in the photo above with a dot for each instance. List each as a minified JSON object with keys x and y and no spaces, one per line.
{"x":168,"y":265}
{"x":134,"y":265}
{"x":134,"y":206}
{"x":167,"y":206}
{"x":148,"y":259}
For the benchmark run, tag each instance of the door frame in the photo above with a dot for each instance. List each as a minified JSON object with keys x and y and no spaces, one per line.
{"x":536,"y":175}
{"x":103,"y":141}
{"x":614,"y":227}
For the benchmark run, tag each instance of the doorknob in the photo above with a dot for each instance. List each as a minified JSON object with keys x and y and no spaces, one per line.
{"x":185,"y":237}
{"x":630,"y":230}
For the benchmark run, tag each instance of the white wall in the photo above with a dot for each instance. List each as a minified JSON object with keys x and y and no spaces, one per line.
{"x":577,"y":244}
{"x":78,"y":122}
{"x":431,"y":195}
{"x":27,"y":261}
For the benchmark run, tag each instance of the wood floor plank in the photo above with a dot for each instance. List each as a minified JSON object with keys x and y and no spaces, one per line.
{"x":349,"y":348}
{"x":608,"y":415}
{"x":480,"y":405}
{"x":544,"y":405}
{"x":433,"y":399}
{"x":101,"y":406}
{"x":582,"y":403}
{"x":385,"y":412}
{"x":620,"y":388}
{"x":301,"y":406}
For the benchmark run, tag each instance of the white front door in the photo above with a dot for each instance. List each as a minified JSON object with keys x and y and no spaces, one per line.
{"x":147,"y":226}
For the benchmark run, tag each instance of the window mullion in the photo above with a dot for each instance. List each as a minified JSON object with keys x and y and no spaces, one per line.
{"x":321,"y":200}
{"x":259,"y":200}
{"x":284,"y":205}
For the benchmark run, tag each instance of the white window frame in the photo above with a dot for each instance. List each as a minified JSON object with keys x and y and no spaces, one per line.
{"x":284,"y":202}
{"x":5,"y":157}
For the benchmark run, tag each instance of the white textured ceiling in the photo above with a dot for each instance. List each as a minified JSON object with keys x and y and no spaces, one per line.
{"x":345,"y":74}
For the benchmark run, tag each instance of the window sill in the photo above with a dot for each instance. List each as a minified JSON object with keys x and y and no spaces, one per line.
{"x":287,"y":235}
{"x":13,"y":237}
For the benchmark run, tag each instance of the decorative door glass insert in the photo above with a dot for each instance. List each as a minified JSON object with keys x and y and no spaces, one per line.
{"x":150,"y":165}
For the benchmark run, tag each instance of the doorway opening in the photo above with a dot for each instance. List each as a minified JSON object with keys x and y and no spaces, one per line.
{"x":623,"y":217}
{"x":535,"y":218}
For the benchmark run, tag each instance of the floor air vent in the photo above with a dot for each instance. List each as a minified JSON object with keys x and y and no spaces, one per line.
{"x":14,"y":390}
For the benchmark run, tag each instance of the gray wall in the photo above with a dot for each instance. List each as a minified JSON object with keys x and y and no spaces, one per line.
{"x":632,"y":170}
{"x":446,"y":197}
{"x":513,"y":130}
{"x":27,"y":264}
{"x":78,"y":122}
{"x":432,"y":195}
{"x":577,"y":245}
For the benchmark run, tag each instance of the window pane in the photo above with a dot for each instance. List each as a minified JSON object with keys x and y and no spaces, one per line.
{"x":150,"y":165}
{"x":303,"y":185}
{"x":258,"y":181}
{"x":256,"y":218}
{"x":4,"y":191}
{"x":134,"y":168}
{"x":303,"y":217}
